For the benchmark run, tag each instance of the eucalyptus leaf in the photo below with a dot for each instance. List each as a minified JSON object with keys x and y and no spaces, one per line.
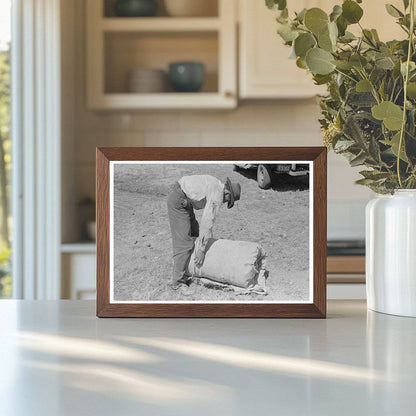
{"x":347,"y":37}
{"x":336,"y":12}
{"x":286,"y":32}
{"x":358,"y":61}
{"x":368,"y":36}
{"x":303,"y":43}
{"x":300,"y":17}
{"x":351,"y":11}
{"x":364,"y":182}
{"x":354,"y":131}
{"x":316,"y":20}
{"x":375,"y":35}
{"x":343,"y":65}
{"x":374,"y":150}
{"x":333,"y":33}
{"x":393,"y":11}
{"x":319,"y":61}
{"x":361,"y":99}
{"x":276,"y":4}
{"x":391,"y":114}
{"x":412,"y":67}
{"x":381,"y":89}
{"x":321,"y":79}
{"x":385,"y":63}
{"x":301,"y":63}
{"x":284,"y":14}
{"x":375,"y":175}
{"x":358,"y":160}
{"x":377,"y":74}
{"x":325,"y":42}
{"x":396,"y":71}
{"x":343,"y":145}
{"x":394,"y":144}
{"x":411,"y":90}
{"x":363,"y":86}
{"x":342,"y":25}
{"x":412,"y":124}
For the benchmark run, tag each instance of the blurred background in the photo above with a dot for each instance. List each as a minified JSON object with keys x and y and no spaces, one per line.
{"x":145,"y":73}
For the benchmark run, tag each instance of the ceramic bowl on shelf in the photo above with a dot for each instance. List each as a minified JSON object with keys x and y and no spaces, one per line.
{"x":135,"y":8}
{"x":186,"y":76}
{"x":147,"y":80}
{"x":191,"y":8}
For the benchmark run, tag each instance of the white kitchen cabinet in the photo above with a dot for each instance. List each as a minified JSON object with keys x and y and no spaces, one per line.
{"x":265,"y":70}
{"x":78,"y":271}
{"x":118,"y":45}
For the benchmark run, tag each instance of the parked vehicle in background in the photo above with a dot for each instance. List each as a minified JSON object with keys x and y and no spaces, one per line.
{"x":265,"y":171}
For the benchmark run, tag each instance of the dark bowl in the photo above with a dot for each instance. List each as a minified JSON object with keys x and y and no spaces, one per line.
{"x":186,"y":76}
{"x":136,"y":8}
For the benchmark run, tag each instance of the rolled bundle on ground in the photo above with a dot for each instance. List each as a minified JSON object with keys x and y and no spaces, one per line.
{"x":231,"y":262}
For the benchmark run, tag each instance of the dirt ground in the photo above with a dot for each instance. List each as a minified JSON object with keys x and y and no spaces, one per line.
{"x":277,"y":218}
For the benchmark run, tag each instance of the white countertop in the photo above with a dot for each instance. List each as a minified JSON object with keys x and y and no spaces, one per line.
{"x":57,"y":359}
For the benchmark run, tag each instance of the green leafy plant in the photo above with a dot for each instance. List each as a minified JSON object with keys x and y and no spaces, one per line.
{"x":369,"y":113}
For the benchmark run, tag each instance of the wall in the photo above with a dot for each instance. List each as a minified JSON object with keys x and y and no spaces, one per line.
{"x":265,"y":123}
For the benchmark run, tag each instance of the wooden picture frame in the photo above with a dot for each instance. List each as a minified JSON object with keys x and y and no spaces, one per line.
{"x":316,"y":156}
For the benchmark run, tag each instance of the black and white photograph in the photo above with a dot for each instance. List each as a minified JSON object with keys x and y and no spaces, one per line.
{"x":208,"y":232}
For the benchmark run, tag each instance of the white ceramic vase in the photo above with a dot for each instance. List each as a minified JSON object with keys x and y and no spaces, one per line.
{"x":391,"y":253}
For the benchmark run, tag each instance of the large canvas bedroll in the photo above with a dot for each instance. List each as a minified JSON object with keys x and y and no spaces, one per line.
{"x":237,"y":263}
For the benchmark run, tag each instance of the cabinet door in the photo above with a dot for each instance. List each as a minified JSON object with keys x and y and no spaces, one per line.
{"x":376,"y":17}
{"x":78,"y":276}
{"x":265,"y":68}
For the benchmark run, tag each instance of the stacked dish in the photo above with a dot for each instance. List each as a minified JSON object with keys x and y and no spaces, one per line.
{"x":147,"y":80}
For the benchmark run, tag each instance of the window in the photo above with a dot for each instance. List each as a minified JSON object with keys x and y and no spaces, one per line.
{"x":5,"y":144}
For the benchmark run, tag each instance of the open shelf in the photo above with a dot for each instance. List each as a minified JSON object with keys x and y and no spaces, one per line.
{"x":116,"y":46}
{"x":80,"y":247}
{"x":211,"y":9}
{"x":127,"y":51}
{"x":160,"y":24}
{"x":162,"y":101}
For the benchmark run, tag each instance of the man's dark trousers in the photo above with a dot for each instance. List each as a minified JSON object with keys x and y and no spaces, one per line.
{"x":184,"y":228}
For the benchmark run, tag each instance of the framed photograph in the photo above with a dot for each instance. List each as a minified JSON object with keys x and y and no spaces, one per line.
{"x":211,"y":232}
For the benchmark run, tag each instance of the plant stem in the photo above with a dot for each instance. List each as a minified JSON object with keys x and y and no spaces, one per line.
{"x":373,"y":89}
{"x":392,"y":90}
{"x":406,"y":80}
{"x":345,"y":75}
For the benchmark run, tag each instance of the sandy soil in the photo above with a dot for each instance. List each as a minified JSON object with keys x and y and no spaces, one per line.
{"x":277,"y":218}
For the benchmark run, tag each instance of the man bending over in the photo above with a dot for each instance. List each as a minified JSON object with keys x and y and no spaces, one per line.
{"x":189,"y":193}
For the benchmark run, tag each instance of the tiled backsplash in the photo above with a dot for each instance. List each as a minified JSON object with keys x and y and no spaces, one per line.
{"x":288,"y":123}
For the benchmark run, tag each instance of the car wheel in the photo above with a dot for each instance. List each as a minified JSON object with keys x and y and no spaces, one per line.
{"x":264,"y":176}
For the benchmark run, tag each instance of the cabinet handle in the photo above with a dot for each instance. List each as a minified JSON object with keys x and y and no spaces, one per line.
{"x":228,"y":94}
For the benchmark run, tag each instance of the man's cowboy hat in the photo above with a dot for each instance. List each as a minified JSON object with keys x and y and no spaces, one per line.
{"x":235,"y":192}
